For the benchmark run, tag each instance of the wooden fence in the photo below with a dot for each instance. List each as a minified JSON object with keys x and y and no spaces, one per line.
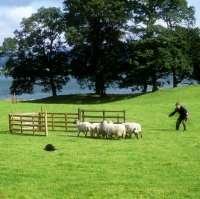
{"x":32,"y":122}
{"x":61,"y":121}
{"x":99,"y":115}
{"x":44,"y":121}
{"x":64,"y":121}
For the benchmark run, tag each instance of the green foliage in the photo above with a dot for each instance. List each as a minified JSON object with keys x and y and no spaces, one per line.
{"x":95,"y":29}
{"x":160,"y":50}
{"x":41,"y":55}
{"x":115,"y":43}
{"x":194,"y":51}
{"x":162,"y":164}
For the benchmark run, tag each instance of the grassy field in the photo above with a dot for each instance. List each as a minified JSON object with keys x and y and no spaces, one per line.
{"x":164,"y":164}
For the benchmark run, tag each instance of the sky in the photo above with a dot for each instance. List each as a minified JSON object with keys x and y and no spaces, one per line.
{"x":12,"y":12}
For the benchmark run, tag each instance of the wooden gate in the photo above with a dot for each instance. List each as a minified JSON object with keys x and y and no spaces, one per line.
{"x":32,"y":122}
{"x":61,"y":121}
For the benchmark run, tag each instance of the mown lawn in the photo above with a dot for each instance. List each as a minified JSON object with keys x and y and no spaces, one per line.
{"x":163,"y":164}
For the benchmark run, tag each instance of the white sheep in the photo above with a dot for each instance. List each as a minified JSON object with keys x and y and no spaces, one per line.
{"x":82,"y":126}
{"x":133,"y":127}
{"x":110,"y":129}
{"x":94,"y":128}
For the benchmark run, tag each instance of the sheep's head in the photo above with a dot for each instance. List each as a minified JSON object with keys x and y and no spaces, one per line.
{"x":104,"y":122}
{"x":76,"y":121}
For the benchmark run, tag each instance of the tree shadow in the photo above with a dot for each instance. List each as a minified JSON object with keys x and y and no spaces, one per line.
{"x":83,"y":99}
{"x":23,"y":134}
{"x":4,"y":132}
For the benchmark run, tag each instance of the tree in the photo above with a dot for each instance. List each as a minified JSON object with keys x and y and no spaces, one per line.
{"x":194,"y":52}
{"x":156,"y":46}
{"x":41,"y":55}
{"x":7,"y":50}
{"x":95,"y":29}
{"x":145,"y":65}
{"x":179,"y":19}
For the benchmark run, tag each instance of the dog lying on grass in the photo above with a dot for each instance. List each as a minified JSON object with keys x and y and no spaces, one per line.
{"x":50,"y":147}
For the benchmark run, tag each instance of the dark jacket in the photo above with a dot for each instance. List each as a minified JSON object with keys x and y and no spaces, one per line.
{"x":182,"y":111}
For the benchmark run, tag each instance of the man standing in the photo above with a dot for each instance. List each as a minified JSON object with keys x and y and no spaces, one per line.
{"x":182,"y":117}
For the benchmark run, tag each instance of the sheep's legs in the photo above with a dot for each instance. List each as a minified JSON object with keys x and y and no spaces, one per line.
{"x":79,"y":133}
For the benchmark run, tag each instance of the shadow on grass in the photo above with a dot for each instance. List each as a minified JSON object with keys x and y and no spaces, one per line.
{"x":83,"y":99}
{"x":26,"y":134}
{"x":4,"y":132}
{"x":93,"y":138}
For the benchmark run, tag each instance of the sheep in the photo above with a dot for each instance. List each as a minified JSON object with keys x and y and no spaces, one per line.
{"x":82,"y":127}
{"x":94,"y":128}
{"x":130,"y":128}
{"x":133,"y":127}
{"x":110,"y":129}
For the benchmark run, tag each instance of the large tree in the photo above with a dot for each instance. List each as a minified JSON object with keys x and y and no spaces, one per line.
{"x":41,"y":55}
{"x":159,"y":41}
{"x":179,"y":19}
{"x":194,"y":52}
{"x":95,"y":29}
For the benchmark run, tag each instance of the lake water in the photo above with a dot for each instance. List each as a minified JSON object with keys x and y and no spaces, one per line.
{"x":71,"y":88}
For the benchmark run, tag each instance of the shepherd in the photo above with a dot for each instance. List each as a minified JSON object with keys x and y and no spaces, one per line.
{"x":183,"y":117}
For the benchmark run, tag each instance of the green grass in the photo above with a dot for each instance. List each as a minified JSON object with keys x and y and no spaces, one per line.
{"x":162,"y":164}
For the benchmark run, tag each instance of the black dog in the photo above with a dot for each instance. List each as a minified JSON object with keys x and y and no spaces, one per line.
{"x":50,"y":147}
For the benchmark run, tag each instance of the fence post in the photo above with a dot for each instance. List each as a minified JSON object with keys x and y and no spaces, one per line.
{"x":118,"y":118}
{"x":10,"y":123}
{"x":66,"y":121}
{"x":39,"y":120}
{"x":79,"y":114}
{"x":46,"y":126}
{"x":14,"y":99}
{"x":33,"y":123}
{"x":83,"y":115}
{"x":103,"y":114}
{"x":21,"y":124}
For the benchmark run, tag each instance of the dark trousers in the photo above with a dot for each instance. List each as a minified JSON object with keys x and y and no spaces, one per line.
{"x":179,"y":120}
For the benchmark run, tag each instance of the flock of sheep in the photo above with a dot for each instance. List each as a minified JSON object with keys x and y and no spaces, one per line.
{"x":108,"y":129}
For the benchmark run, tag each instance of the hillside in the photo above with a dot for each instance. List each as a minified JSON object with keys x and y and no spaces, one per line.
{"x":139,"y":107}
{"x":163,"y":164}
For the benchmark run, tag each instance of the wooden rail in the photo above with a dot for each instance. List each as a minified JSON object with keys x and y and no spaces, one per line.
{"x":32,"y":122}
{"x":99,"y":115}
{"x":43,"y":121}
{"x":61,"y":121}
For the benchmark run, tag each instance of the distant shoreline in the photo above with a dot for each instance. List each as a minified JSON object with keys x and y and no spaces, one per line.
{"x":70,"y":88}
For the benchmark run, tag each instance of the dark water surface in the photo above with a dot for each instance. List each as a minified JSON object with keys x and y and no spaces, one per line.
{"x":71,"y":88}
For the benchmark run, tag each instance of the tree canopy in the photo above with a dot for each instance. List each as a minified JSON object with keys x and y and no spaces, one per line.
{"x":112,"y":43}
{"x":95,"y":29}
{"x":159,"y":42}
{"x":40,"y":57}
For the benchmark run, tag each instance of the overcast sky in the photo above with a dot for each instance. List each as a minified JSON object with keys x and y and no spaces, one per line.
{"x":12,"y":12}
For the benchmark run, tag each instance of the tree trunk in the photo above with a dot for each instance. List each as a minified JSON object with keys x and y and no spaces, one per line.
{"x":97,"y":85}
{"x":101,"y":86}
{"x":154,"y":82}
{"x":53,"y":88}
{"x":144,"y":88}
{"x":175,"y":81}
